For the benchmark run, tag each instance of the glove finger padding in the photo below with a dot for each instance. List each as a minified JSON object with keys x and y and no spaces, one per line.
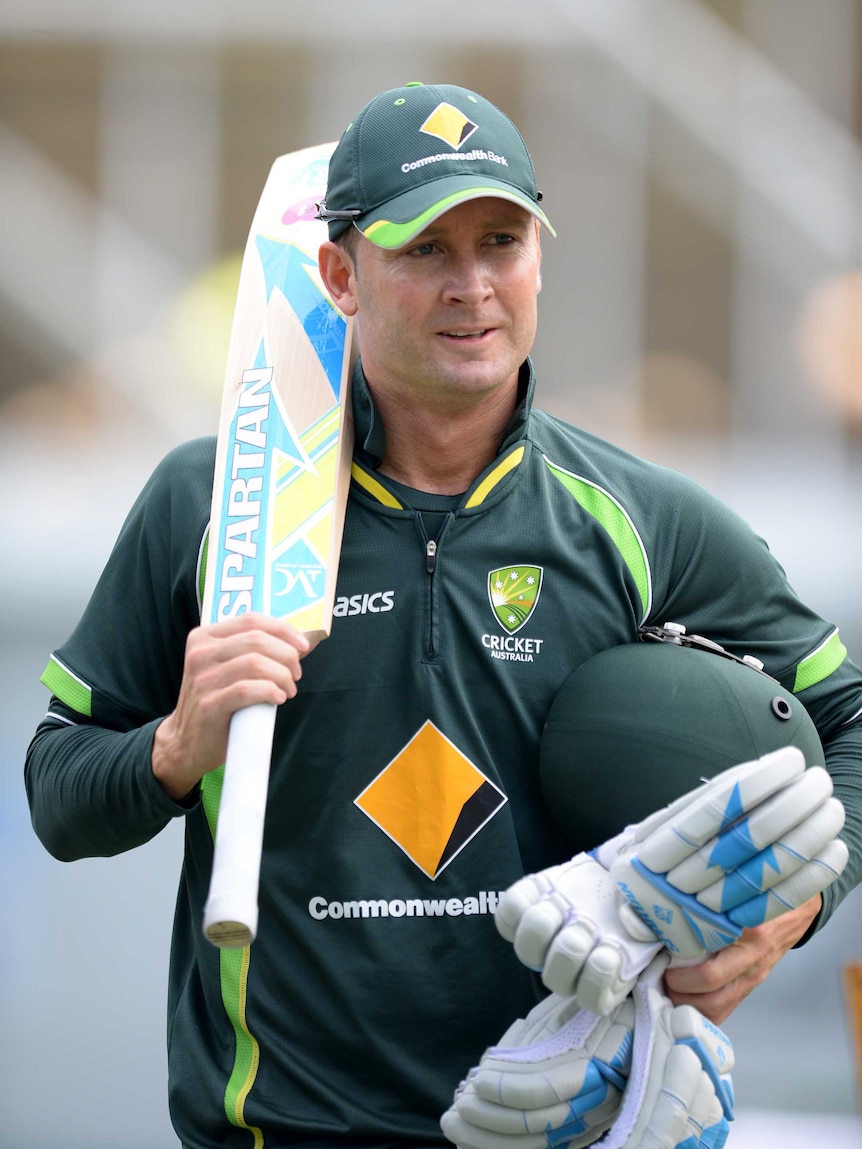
{"x":556,"y":1078}
{"x":565,"y":922}
{"x":679,"y":1092}
{"x":756,"y":841}
{"x":693,"y":819}
{"x":760,"y":861}
{"x":688,"y":1114}
{"x":786,"y":857}
{"x":789,"y":812}
{"x":809,"y":880}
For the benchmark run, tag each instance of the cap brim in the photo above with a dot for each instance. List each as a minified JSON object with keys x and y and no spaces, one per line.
{"x":400,"y":220}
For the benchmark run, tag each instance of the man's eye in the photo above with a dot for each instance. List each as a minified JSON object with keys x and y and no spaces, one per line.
{"x":423,"y":249}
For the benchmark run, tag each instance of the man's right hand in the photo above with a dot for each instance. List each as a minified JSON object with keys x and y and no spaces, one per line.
{"x":228,"y":665}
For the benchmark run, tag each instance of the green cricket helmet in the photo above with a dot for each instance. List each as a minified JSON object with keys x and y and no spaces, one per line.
{"x":637,"y":725}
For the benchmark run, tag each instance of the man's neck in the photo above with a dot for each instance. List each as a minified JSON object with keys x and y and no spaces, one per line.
{"x":442,"y":452}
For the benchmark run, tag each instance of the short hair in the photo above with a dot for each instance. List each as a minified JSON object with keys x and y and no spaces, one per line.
{"x":349,"y":241}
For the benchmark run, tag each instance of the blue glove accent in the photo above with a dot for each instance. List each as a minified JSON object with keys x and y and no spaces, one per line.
{"x":700,"y":918}
{"x":564,"y":1134}
{"x":720,"y":1084}
{"x":749,"y":880}
{"x":734,"y":809}
{"x":593,"y":1093}
{"x":733,"y":846}
{"x":713,"y":1138}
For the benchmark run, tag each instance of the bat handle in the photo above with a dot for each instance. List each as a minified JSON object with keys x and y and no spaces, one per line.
{"x":230,"y":913}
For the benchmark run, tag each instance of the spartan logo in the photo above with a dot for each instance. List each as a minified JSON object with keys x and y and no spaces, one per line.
{"x":431,"y":800}
{"x":449,"y":125}
{"x":514,"y":592}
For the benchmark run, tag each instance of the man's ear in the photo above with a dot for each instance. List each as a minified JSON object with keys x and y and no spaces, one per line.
{"x":339,"y":275}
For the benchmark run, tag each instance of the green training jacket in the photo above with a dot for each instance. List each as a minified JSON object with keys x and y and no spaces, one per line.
{"x":404,"y":795}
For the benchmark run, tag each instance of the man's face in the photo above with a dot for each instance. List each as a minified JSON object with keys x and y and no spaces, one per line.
{"x":452,"y":316}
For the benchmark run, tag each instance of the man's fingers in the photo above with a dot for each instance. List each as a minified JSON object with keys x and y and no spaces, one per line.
{"x":223,"y":641}
{"x":718,"y":985}
{"x":250,"y":621}
{"x":229,"y":664}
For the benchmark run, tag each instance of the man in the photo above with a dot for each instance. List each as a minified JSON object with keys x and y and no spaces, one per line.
{"x":501,"y":548}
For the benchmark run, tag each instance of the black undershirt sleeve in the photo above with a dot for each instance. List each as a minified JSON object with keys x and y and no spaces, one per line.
{"x":92,"y":791}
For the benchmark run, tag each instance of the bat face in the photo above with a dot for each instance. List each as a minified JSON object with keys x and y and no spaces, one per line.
{"x":282,"y":473}
{"x":285,"y":442}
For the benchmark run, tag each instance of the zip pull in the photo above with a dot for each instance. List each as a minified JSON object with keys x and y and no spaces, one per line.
{"x":431,"y":555}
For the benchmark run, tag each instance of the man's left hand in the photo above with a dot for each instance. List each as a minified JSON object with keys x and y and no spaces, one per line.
{"x":716,"y":986}
{"x":753,"y":844}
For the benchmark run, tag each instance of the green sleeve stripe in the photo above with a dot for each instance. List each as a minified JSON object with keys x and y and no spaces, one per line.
{"x":211,"y":785}
{"x":233,"y":972}
{"x":820,"y":663}
{"x":611,"y":515}
{"x":202,"y":568}
{"x":68,"y":687}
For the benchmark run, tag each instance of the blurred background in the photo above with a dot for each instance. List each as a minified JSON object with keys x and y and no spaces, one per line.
{"x":702,"y":162}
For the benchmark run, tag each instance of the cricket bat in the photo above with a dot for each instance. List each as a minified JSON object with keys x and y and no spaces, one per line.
{"x":282,"y":473}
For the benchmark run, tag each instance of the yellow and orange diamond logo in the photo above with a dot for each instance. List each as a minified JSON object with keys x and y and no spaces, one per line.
{"x":450,"y":125}
{"x":431,"y":800}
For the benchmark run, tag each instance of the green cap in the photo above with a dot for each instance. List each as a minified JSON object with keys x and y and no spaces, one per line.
{"x":413,"y":153}
{"x":638,"y":725}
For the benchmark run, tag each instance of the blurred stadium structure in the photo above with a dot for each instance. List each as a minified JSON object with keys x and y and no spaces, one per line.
{"x":702,"y":162}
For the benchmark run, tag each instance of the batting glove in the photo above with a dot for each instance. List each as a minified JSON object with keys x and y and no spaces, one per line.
{"x":679,"y":1094}
{"x":756,"y":841}
{"x":555,"y":1079}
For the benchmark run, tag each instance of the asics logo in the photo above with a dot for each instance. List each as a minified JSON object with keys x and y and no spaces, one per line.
{"x":376,"y":602}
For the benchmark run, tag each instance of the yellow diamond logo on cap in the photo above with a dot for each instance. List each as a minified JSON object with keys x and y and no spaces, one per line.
{"x":449,"y":125}
{"x":431,"y":800}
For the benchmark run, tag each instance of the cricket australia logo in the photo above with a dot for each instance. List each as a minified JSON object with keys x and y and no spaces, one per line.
{"x":514,"y":592}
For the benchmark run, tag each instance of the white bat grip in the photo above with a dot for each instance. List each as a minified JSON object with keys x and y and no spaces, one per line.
{"x":230,"y":914}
